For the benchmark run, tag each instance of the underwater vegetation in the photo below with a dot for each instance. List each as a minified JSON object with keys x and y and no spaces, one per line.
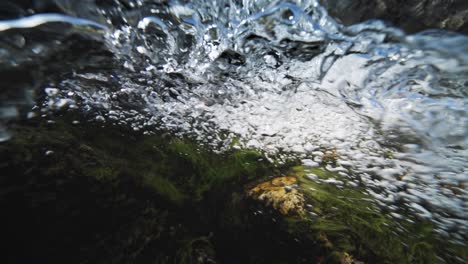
{"x":254,"y":131}
{"x":79,"y":192}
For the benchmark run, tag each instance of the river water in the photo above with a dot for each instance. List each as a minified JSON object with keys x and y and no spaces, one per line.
{"x":283,"y":77}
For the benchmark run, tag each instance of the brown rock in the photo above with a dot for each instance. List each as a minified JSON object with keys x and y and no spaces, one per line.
{"x":280,"y":194}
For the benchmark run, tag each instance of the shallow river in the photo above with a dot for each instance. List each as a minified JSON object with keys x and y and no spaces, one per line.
{"x":285,"y":78}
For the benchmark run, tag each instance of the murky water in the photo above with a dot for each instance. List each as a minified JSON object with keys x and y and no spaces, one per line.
{"x":281,"y":77}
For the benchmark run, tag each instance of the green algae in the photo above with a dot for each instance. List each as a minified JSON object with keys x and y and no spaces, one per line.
{"x":164,"y":187}
{"x":101,"y":194}
{"x":174,"y":168}
{"x":352,"y":223}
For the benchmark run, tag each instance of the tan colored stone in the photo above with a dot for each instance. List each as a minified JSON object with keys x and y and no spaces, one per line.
{"x":330,"y":156}
{"x":280,"y":194}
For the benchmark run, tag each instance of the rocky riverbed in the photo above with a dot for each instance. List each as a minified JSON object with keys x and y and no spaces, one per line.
{"x":77,"y":192}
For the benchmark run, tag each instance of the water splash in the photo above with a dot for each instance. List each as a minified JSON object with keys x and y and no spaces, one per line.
{"x":37,"y":20}
{"x":284,"y":78}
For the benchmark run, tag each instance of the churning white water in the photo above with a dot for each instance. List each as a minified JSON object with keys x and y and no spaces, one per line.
{"x":285,"y":78}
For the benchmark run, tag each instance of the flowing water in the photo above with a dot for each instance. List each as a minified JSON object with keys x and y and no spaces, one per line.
{"x":283,"y":77}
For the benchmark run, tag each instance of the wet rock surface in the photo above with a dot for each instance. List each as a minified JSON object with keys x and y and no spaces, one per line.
{"x":84,"y":194}
{"x":412,"y":16}
{"x":280,"y":194}
{"x":74,"y":193}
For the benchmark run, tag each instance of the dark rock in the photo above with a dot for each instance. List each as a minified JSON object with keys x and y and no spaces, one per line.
{"x":411,"y":15}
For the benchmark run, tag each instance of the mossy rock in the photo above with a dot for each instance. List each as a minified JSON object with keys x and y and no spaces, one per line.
{"x":280,"y":194}
{"x":98,"y":193}
{"x":342,"y":220}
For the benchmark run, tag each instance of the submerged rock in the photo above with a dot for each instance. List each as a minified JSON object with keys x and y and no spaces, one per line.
{"x":412,"y":15}
{"x":343,"y":224}
{"x":110,"y":195}
{"x":122,"y":197}
{"x":280,"y":194}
